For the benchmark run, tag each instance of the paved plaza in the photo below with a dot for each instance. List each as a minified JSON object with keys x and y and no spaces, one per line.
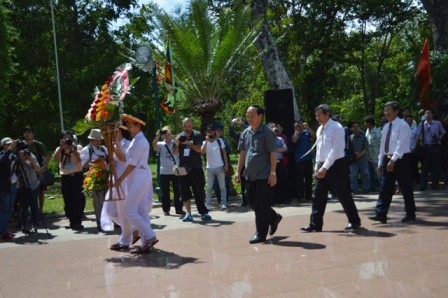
{"x":215,"y":259}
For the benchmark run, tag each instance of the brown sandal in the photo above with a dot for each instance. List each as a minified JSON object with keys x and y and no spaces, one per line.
{"x":145,"y":248}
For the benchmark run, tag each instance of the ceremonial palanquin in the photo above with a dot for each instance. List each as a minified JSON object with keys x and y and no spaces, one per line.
{"x":105,"y":113}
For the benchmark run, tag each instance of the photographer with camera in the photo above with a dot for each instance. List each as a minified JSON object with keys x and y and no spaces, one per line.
{"x":8,"y":185}
{"x":217,"y":163}
{"x":70,"y":169}
{"x":188,"y":145}
{"x":27,"y":169}
{"x":43,"y":158}
{"x":168,"y":159}
{"x":430,"y":132}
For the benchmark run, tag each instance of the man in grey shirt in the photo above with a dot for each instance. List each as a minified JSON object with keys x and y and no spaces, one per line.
{"x":257,"y":146}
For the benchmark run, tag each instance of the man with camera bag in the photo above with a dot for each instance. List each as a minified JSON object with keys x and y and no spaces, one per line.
{"x":89,"y":153}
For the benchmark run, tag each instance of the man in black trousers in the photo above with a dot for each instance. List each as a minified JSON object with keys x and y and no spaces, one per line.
{"x":258,"y":154}
{"x":394,"y":165}
{"x":331,"y":171}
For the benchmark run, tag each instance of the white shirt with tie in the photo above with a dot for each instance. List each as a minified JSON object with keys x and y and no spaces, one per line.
{"x":400,"y":140}
{"x":330,"y":144}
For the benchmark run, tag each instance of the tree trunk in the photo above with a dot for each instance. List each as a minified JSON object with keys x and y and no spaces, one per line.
{"x":274,"y":69}
{"x":438,"y":13}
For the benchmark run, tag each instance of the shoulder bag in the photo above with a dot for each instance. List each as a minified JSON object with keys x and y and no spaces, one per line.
{"x":177,"y":171}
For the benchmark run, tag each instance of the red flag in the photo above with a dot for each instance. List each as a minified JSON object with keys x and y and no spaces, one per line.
{"x":424,"y":77}
{"x":167,"y":103}
{"x":168,"y":75}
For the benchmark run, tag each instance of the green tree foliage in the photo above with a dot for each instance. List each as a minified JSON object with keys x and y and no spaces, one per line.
{"x":88,"y":54}
{"x":352,"y":54}
{"x":346,"y":53}
{"x":7,"y":67}
{"x":208,"y":53}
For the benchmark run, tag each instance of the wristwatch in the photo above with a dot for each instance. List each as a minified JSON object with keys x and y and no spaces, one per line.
{"x":273,"y":173}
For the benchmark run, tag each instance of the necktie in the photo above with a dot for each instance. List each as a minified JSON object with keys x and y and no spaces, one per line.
{"x":389,"y":132}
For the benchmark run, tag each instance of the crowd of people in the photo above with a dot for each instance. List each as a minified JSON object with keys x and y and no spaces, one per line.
{"x":273,"y":168}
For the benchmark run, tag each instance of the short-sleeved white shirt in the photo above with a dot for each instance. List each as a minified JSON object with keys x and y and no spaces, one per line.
{"x":213,"y":154}
{"x":96,"y":153}
{"x":166,"y":159}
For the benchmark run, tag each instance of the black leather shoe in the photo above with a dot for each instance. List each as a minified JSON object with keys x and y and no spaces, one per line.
{"x":76,"y":227}
{"x":274,"y":225}
{"x":352,"y":227}
{"x":408,"y":218}
{"x":381,"y":219}
{"x":257,"y":239}
{"x":311,"y":228}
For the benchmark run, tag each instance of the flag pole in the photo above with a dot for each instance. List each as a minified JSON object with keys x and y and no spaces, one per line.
{"x":57,"y":65}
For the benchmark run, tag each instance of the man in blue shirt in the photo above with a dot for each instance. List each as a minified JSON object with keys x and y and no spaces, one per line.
{"x":431,"y":132}
{"x":302,"y":139}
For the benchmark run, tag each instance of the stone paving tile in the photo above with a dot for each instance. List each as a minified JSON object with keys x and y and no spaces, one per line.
{"x":214,"y":259}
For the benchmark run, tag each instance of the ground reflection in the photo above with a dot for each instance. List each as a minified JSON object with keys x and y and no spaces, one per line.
{"x":156,"y":258}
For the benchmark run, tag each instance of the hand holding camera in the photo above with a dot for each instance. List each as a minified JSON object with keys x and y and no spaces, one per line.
{"x":236,"y":121}
{"x":160,"y":133}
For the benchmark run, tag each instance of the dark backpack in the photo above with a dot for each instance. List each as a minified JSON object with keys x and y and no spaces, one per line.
{"x":39,"y":152}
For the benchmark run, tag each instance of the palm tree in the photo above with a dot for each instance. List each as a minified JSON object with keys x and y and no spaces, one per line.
{"x":207,"y":50}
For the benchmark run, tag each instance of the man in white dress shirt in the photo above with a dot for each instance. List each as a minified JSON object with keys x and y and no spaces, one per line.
{"x":331,"y":171}
{"x":394,"y":165}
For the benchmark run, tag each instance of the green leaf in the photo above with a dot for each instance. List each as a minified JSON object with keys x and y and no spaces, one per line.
{"x":81,"y":126}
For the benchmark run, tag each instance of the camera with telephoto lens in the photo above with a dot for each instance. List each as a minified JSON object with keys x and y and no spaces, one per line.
{"x":68,"y":142}
{"x":182,"y":139}
{"x":26,"y":152}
